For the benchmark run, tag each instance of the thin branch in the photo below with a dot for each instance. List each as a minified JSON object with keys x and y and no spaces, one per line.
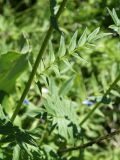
{"x":99,"y":103}
{"x":38,"y":59}
{"x":96,"y":141}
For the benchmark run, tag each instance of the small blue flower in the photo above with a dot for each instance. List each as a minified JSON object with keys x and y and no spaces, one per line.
{"x":88,"y":102}
{"x":26,"y":102}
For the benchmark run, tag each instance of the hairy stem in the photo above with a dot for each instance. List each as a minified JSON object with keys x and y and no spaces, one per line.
{"x":95,"y":141}
{"x":38,"y":59}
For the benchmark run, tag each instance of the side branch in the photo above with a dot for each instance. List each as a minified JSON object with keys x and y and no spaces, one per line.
{"x":96,"y":141}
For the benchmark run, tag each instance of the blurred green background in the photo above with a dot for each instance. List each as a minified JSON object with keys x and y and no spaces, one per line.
{"x":23,"y":25}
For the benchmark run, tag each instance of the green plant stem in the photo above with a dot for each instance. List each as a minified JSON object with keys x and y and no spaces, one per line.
{"x":38,"y":59}
{"x":99,"y":103}
{"x":95,"y":141}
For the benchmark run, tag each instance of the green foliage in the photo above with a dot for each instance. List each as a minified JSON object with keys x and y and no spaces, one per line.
{"x":74,"y":96}
{"x":62,"y":111}
{"x":116,"y":20}
{"x":12,"y":64}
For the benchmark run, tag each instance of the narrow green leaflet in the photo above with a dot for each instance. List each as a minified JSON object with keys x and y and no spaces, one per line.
{"x":42,"y":66}
{"x":83,"y":38}
{"x":66,"y":61}
{"x":62,"y":48}
{"x":69,"y":66}
{"x":12,"y":65}
{"x":51,"y":53}
{"x":72,"y":44}
{"x":114,"y":16}
{"x":93,"y":34}
{"x":78,"y":57}
{"x":101,"y":35}
{"x":92,"y":37}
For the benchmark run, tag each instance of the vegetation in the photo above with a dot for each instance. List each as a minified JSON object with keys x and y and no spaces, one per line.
{"x":59,"y":80}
